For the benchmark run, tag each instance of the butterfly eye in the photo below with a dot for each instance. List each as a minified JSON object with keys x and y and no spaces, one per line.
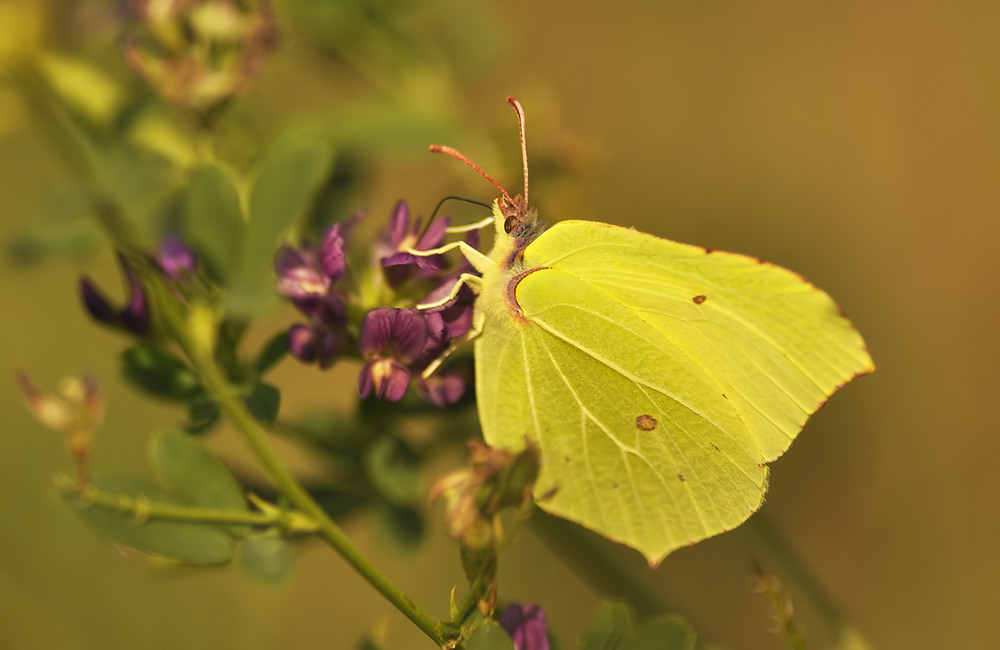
{"x":510,"y":223}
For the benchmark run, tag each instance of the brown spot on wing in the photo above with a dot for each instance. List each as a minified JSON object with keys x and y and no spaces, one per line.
{"x":699,"y":299}
{"x":645,"y":422}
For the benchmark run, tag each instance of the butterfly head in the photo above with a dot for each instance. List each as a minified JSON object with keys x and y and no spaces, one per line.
{"x":514,"y":216}
{"x":517,"y":218}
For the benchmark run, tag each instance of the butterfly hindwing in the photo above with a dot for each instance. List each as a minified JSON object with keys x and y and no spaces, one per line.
{"x":625,"y":450}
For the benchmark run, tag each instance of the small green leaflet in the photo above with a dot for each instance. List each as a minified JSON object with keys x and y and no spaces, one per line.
{"x":657,"y":378}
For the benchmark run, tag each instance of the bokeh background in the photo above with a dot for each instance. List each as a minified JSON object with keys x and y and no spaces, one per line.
{"x":855,"y":142}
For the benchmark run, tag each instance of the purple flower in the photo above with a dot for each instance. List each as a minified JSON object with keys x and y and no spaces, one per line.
{"x":323,"y":339}
{"x":399,"y":265}
{"x":453,"y":319}
{"x":441,"y":389}
{"x":308,"y":276}
{"x":133,"y":317}
{"x":176,"y":259}
{"x":390,"y":340}
{"x":526,"y":625}
{"x":311,"y":270}
{"x":309,"y":344}
{"x":443,"y":325}
{"x":331,"y":253}
{"x":299,"y":275}
{"x":397,"y":345}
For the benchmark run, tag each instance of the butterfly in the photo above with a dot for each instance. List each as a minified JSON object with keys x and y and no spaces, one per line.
{"x":657,"y":379}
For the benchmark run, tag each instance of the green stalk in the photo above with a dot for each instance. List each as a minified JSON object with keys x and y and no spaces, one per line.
{"x":794,"y":572}
{"x":256,"y":438}
{"x":144,"y":510}
{"x":82,"y":162}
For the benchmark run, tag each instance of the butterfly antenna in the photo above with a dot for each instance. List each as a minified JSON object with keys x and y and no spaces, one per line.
{"x":456,"y":198}
{"x":458,"y":155}
{"x":524,"y":145}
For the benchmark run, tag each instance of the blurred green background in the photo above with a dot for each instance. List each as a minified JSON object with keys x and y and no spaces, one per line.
{"x":854,"y":142}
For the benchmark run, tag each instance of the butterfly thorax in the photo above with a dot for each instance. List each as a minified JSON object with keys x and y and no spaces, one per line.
{"x":517,"y":225}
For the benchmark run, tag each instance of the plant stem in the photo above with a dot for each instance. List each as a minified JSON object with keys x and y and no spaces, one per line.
{"x":82,"y":161}
{"x":145,"y":510}
{"x":255,"y":436}
{"x":794,"y":572}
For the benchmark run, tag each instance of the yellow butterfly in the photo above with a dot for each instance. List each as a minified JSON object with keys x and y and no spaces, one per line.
{"x":656,"y":378}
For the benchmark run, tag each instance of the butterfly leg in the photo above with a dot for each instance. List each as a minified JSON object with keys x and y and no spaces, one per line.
{"x":479,"y":225}
{"x":474,"y":282}
{"x":480,"y":261}
{"x":473,"y":333}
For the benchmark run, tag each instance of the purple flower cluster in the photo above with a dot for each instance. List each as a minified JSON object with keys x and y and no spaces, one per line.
{"x":397,"y":344}
{"x":308,"y":277}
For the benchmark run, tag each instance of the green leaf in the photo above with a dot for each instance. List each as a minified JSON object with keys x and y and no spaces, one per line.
{"x":264,"y":402}
{"x":393,"y":469}
{"x":38,"y":241}
{"x":272,"y":352}
{"x":374,"y":639}
{"x":268,"y":558}
{"x":86,"y":88}
{"x":159,"y":373}
{"x":335,"y":433}
{"x":158,"y":130}
{"x":377,"y":126}
{"x":291,"y":175}
{"x":59,"y":225}
{"x":399,"y":527}
{"x":488,"y":636}
{"x":196,"y":476}
{"x":663,"y":633}
{"x":611,"y":626}
{"x":203,"y":413}
{"x":612,"y":629}
{"x":213,"y":219}
{"x":194,"y":544}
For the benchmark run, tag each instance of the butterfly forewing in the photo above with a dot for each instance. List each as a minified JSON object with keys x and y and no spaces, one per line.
{"x":775,"y":345}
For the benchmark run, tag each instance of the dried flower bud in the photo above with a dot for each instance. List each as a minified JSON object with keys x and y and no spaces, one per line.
{"x":200,"y":54}
{"x":496,"y":479}
{"x":74,"y":412}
